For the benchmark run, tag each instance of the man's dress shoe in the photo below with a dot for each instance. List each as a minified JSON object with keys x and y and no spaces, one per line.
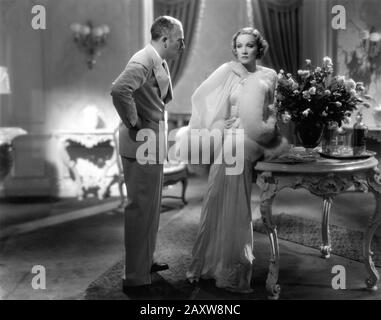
{"x":156,"y":267}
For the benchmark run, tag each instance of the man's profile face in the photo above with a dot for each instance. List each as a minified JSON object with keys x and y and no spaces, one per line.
{"x":176,"y":43}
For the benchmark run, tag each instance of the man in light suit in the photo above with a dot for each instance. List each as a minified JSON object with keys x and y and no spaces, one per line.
{"x":139,"y":96}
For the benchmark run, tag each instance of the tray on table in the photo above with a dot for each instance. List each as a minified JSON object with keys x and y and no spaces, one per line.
{"x":364,"y":155}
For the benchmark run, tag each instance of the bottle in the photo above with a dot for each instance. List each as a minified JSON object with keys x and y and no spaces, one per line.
{"x":341,"y":134}
{"x":359,"y":136}
{"x":330,"y":141}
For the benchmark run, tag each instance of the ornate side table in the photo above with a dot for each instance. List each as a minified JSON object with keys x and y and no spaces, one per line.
{"x":89,"y":156}
{"x":324,"y":178}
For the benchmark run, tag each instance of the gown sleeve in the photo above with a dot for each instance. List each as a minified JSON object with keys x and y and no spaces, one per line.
{"x":210,"y":103}
{"x":210,"y":100}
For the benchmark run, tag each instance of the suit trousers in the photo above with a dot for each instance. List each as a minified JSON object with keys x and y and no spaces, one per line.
{"x":141,"y":218}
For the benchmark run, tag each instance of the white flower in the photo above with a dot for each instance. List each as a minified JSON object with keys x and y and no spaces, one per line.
{"x":312,"y":90}
{"x":350,"y":84}
{"x":327,"y":61}
{"x":306,"y":112}
{"x":338,"y":104}
{"x":318,"y":69}
{"x":306,"y":95}
{"x":324,"y":114}
{"x":353,"y":93}
{"x":360,"y":86}
{"x":375,"y":37}
{"x":308,"y":61}
{"x":327,"y":92}
{"x":294,"y":85}
{"x":303,"y":73}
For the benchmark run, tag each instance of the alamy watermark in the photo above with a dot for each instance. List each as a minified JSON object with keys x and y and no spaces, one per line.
{"x":339,"y":280}
{"x":39,"y":280}
{"x":39,"y":19}
{"x":196,"y":146}
{"x":339,"y":21}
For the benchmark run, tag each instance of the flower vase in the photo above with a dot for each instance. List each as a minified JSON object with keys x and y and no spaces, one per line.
{"x":309,"y":133}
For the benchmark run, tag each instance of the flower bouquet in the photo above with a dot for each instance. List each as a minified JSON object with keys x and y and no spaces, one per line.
{"x":314,"y":98}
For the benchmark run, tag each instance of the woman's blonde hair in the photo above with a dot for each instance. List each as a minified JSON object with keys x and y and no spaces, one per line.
{"x":260,"y":42}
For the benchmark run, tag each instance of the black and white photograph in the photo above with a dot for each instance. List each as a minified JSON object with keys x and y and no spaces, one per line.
{"x":190,"y":156}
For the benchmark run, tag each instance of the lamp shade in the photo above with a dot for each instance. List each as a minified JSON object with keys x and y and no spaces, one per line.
{"x":5,"y":87}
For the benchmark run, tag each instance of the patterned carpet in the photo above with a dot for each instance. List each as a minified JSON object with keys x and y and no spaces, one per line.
{"x":175,"y":243}
{"x":344,"y":242}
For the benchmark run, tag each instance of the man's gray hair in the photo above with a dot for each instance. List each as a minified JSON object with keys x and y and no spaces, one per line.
{"x":163,"y":26}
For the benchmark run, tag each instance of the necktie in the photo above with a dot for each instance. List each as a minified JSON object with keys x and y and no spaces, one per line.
{"x":168,"y":86}
{"x":169,"y":91}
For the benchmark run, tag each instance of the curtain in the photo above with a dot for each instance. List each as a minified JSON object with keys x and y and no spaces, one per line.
{"x":280,"y":22}
{"x":187,"y":11}
{"x":319,"y":38}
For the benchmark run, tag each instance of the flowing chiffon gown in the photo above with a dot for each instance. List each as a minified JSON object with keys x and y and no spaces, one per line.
{"x":224,"y":246}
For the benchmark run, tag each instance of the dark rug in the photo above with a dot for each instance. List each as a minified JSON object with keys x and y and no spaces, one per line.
{"x":175,"y":243}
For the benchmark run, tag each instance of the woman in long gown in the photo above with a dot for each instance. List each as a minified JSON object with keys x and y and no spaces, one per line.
{"x":237,"y":95}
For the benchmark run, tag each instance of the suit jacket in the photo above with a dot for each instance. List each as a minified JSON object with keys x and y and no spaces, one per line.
{"x":141,"y":91}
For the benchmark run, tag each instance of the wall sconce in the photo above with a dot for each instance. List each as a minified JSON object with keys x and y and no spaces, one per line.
{"x":90,"y":39}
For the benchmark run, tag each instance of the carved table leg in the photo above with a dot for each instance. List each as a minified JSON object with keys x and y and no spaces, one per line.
{"x":325,"y":248}
{"x":272,"y":286}
{"x":374,"y":223}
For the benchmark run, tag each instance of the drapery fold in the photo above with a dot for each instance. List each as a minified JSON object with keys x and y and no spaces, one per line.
{"x":281,"y":24}
{"x":187,"y":11}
